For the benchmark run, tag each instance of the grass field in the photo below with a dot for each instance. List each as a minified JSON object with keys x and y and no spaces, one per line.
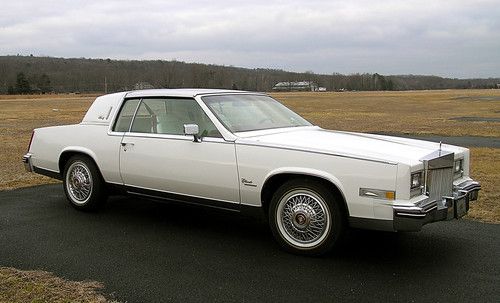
{"x":413,"y":112}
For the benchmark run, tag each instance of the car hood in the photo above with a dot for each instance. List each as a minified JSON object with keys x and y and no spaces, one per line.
{"x":358,"y":145}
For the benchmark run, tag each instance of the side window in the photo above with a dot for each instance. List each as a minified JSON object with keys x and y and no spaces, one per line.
{"x":168,"y":116}
{"x":145,"y":120}
{"x":125,"y":116}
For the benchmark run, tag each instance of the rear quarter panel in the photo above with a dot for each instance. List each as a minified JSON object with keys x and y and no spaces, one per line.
{"x":93,"y":140}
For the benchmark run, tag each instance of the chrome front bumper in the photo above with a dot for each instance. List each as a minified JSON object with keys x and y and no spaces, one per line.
{"x":412,"y":218}
{"x":27,"y":163}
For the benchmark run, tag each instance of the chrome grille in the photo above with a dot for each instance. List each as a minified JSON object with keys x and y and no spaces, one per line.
{"x":440,"y":183}
{"x":439,"y":175}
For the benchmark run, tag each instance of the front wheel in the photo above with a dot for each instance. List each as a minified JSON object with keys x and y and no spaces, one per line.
{"x":306,"y":217}
{"x":83,"y":183}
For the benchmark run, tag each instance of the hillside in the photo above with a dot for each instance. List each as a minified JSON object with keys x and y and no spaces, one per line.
{"x":22,"y":74}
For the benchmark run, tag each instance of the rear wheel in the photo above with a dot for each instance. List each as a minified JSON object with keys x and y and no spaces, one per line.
{"x":306,"y":217}
{"x":83,"y":184}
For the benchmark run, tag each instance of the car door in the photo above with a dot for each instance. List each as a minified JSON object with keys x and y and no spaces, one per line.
{"x":156,"y":158}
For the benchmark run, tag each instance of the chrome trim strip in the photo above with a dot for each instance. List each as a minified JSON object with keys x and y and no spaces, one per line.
{"x":181,"y":201}
{"x":183,"y":92}
{"x":47,"y":172}
{"x":94,"y":123}
{"x":251,"y":205}
{"x":276,"y":146}
{"x":116,"y":134}
{"x":469,"y":185}
{"x":177,"y":194}
{"x":109,"y":112}
{"x":230,"y":93}
{"x":431,"y":208}
{"x":415,"y":209}
{"x":158,"y":136}
{"x":411,"y":215}
{"x":367,"y":135}
{"x":274,"y":131}
{"x":375,"y":193}
{"x":50,"y":170}
{"x":173,"y":137}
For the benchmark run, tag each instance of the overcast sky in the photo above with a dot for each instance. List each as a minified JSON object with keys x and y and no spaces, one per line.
{"x":455,"y":38}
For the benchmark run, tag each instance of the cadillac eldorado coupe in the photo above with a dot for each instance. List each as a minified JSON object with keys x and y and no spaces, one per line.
{"x":245,"y":151}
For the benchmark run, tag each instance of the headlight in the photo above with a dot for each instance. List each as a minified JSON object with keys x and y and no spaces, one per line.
{"x":458,"y":168}
{"x":416,"y":184}
{"x":416,"y":180}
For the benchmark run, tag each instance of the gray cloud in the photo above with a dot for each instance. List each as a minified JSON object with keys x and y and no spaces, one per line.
{"x":448,"y":38}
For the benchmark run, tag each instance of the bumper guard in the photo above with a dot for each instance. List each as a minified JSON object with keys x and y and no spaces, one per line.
{"x":27,"y":163}
{"x":412,"y":218}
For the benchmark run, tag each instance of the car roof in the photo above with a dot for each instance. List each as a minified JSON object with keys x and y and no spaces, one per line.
{"x":182,"y":92}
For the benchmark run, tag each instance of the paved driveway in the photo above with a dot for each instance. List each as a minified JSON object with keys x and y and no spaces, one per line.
{"x":150,"y":252}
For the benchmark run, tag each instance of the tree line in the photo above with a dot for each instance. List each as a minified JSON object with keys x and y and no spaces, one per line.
{"x":37,"y":84}
{"x":29,"y":74}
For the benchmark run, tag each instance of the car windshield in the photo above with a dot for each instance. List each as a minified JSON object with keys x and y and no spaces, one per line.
{"x":241,"y":113}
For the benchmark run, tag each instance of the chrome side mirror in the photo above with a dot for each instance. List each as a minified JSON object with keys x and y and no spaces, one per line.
{"x":192,"y":129}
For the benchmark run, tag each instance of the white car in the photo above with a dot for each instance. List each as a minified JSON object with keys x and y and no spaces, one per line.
{"x":244,"y":151}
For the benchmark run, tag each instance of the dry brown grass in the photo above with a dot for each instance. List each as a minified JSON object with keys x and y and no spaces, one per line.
{"x":17,"y":286}
{"x":485,"y":167}
{"x":19,"y":115}
{"x":414,"y":112}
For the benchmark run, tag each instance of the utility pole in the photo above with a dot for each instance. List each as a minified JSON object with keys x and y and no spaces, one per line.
{"x":105,"y":85}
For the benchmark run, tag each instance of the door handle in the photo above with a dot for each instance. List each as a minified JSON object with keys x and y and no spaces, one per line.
{"x":125,"y":144}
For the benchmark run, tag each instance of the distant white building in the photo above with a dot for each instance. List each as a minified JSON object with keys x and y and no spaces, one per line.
{"x":143,"y":85}
{"x":300,"y":86}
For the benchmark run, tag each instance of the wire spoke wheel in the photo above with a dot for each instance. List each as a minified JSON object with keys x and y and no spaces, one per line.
{"x":79,"y":182}
{"x":303,"y":218}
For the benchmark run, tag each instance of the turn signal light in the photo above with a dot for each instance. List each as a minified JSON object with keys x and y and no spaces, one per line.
{"x":390,"y":195}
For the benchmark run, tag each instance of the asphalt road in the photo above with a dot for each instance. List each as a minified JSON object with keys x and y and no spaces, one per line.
{"x":151,"y":252}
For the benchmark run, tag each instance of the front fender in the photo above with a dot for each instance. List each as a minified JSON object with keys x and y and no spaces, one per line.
{"x":308,"y":172}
